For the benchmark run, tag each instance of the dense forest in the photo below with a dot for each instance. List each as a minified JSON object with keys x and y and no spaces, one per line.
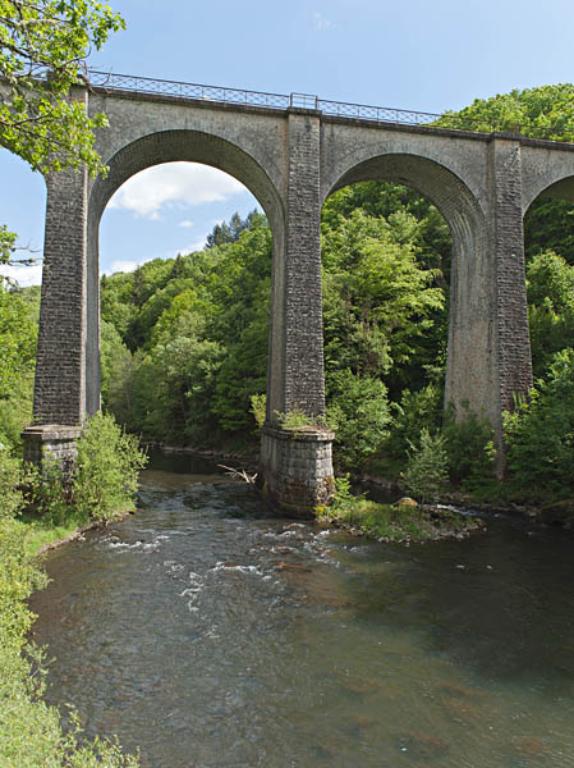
{"x":184,"y":340}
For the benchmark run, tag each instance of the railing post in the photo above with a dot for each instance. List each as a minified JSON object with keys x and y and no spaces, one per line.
{"x":303,"y":101}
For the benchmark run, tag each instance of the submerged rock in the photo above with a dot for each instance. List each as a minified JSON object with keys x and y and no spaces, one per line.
{"x":423,"y":746}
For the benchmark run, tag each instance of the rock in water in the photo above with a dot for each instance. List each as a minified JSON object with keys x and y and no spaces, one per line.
{"x":406,"y":501}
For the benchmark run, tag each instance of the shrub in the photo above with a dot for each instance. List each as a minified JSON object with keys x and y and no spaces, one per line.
{"x":416,"y":410}
{"x":540,"y":434}
{"x":11,"y":499}
{"x":426,"y":474}
{"x":105,"y":480}
{"x":259,"y":409}
{"x":470,"y":450}
{"x":360,"y":414}
{"x":49,"y":493}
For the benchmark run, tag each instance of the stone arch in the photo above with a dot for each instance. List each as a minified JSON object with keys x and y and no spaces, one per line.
{"x":471,"y":367}
{"x":155,"y":149}
{"x":563,"y":189}
{"x":439,"y":184}
{"x":546,"y":173}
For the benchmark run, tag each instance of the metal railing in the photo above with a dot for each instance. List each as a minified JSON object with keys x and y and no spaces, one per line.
{"x":378,"y":114}
{"x":220,"y":95}
{"x":176,"y":89}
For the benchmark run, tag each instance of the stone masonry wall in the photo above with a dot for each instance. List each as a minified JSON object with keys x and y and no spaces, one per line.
{"x":297,"y":469}
{"x":513,"y":355}
{"x":303,"y":330}
{"x":53,"y":442}
{"x":59,"y":393}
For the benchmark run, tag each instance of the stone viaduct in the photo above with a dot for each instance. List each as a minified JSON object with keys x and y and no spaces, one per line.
{"x":291,"y":153}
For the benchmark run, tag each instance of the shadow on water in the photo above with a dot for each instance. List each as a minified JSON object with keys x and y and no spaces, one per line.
{"x":497,"y":603}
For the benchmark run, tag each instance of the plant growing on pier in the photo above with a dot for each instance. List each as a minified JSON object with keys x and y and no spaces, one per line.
{"x":259,"y":409}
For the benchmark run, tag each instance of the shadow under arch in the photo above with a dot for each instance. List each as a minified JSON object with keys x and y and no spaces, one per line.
{"x":556,"y":198}
{"x":471,"y":373}
{"x":156,"y":149}
{"x":557,"y":184}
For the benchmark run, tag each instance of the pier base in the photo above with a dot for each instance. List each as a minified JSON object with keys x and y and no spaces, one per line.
{"x":53,"y":442}
{"x":297,"y":469}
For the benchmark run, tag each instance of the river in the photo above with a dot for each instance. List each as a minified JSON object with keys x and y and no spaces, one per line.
{"x":211,"y":636}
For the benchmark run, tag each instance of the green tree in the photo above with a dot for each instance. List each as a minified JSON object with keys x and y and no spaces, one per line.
{"x":229,"y":233}
{"x":43,"y":46}
{"x":540,"y":435}
{"x":18,"y":334}
{"x":544,"y":112}
{"x":380,"y":302}
{"x":426,"y":474}
{"x":550,"y":281}
{"x":359,"y":411}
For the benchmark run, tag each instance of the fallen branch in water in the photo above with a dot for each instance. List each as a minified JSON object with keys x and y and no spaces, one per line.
{"x":239,"y":474}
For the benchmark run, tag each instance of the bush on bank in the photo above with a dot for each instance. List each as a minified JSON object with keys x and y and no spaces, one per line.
{"x":540,"y":435}
{"x":31,"y":735}
{"x":106,"y":477}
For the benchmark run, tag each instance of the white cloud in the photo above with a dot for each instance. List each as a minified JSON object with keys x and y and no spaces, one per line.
{"x":24,"y":276}
{"x":321,"y":23}
{"x":122,"y":266}
{"x":130,"y":265}
{"x":179,"y":184}
{"x":186,"y":224}
{"x":198,"y":245}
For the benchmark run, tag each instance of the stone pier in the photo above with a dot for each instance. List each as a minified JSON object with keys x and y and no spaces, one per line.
{"x":297,"y":469}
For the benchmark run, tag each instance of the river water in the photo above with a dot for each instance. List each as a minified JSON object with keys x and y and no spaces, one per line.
{"x":211,"y":636}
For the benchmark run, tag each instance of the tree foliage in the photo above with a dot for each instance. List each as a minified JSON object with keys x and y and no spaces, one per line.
{"x":544,"y":112}
{"x":540,"y":435}
{"x":426,"y":473}
{"x":18,"y":335}
{"x":550,"y":281}
{"x":43,"y":45}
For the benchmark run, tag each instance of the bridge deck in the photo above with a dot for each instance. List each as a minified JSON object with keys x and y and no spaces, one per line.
{"x":212,"y":95}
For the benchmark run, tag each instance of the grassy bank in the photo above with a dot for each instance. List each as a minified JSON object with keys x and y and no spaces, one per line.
{"x":404,"y":522}
{"x":31,"y":735}
{"x":105,"y":480}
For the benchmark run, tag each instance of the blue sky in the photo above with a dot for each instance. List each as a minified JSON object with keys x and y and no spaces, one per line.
{"x":427,"y":56}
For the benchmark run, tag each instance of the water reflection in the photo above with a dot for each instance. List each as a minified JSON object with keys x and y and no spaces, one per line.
{"x":211,"y":636}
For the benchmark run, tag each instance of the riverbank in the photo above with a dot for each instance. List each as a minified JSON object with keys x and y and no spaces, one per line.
{"x":385,"y":522}
{"x":104,"y":481}
{"x":491,"y":501}
{"x":405,"y":522}
{"x":31,"y":733}
{"x":42,"y":536}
